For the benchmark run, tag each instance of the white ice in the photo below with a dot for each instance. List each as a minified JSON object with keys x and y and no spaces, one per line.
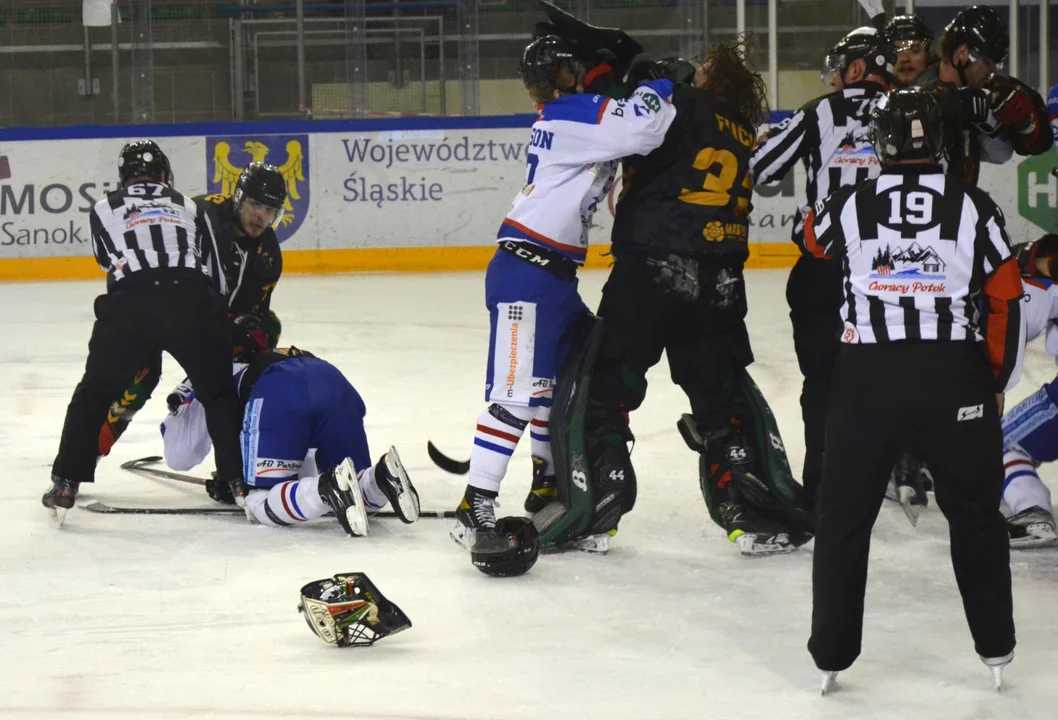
{"x":194,"y":617}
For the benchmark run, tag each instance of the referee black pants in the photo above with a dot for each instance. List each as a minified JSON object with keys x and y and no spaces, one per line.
{"x":936,"y":398}
{"x":815,"y":297}
{"x":183,"y":317}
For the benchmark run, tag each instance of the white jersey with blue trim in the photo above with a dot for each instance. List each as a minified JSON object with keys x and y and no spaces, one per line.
{"x":1039,"y":311}
{"x":1052,"y":110}
{"x":572,"y":161}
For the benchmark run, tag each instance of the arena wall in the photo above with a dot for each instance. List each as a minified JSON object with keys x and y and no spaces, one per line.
{"x":390,"y":194}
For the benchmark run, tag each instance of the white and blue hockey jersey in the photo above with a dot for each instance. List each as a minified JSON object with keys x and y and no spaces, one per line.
{"x":1039,"y":312}
{"x":572,"y":158}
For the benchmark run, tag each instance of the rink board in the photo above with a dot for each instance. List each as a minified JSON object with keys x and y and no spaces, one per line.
{"x":395,"y":194}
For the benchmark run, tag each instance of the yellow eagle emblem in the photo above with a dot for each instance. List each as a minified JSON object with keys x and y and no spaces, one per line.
{"x":227,"y":174}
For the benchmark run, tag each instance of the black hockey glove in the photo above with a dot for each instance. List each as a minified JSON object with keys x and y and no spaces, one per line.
{"x":974,"y":103}
{"x":219,"y":490}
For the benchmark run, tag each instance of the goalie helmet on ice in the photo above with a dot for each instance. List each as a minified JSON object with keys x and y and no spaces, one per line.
{"x":349,"y":611}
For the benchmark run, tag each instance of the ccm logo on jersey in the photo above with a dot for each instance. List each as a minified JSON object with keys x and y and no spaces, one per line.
{"x":971,"y":413}
{"x":525,"y":253}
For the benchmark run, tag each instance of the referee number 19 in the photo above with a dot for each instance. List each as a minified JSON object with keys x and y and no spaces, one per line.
{"x":915,"y":208}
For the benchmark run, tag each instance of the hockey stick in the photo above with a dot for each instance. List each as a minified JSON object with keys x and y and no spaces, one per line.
{"x":140,"y":467}
{"x":456,"y":467}
{"x":99,"y":507}
{"x":96,"y":506}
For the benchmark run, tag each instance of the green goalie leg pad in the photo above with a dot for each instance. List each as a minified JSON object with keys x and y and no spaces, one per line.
{"x":797,"y":509}
{"x":570,"y":516}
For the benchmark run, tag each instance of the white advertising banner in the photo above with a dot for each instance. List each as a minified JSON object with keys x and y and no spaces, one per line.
{"x":394,"y":188}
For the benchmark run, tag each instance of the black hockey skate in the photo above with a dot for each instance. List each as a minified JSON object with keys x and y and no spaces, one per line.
{"x":738,"y":497}
{"x":392,"y":479}
{"x":60,"y":497}
{"x":1032,"y":528}
{"x":908,"y":485}
{"x":475,"y":517}
{"x":340,"y":489}
{"x":544,"y":490}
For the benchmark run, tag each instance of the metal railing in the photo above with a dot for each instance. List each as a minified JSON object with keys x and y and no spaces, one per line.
{"x":188,"y":60}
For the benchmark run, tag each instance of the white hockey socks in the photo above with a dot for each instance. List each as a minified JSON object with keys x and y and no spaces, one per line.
{"x":374,"y":498}
{"x":540,"y":438}
{"x":1022,"y":487}
{"x":288,"y":503}
{"x":499,"y":429}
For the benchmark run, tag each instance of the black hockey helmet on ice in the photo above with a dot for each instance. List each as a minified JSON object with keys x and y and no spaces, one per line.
{"x":908,"y":29}
{"x":907,"y":125}
{"x":348,"y":610}
{"x":143,"y":158}
{"x":544,"y":58}
{"x":512,"y":550}
{"x":864,"y":43}
{"x":982,"y":30}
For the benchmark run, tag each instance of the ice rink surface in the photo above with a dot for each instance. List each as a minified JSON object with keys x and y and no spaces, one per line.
{"x":194,"y":617}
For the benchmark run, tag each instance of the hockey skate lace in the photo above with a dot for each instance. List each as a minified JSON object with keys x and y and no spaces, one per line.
{"x":485,"y":510}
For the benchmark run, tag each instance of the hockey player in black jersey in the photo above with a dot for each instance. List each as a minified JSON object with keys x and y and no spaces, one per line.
{"x":829,"y":137}
{"x":243,"y":224}
{"x":680,"y":242}
{"x":987,"y":116}
{"x":913,"y":40}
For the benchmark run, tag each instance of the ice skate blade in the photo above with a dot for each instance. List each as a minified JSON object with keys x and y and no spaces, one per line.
{"x":1040,"y":535}
{"x":911,"y":509}
{"x":752,"y":545}
{"x":828,"y":683}
{"x":355,"y":514}
{"x":57,"y":516}
{"x":464,"y":536}
{"x":408,"y":500}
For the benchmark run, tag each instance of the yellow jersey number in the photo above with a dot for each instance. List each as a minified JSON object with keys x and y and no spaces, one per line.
{"x":721,"y":175}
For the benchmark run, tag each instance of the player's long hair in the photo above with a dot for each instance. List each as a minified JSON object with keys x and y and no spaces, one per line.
{"x":734,"y":79}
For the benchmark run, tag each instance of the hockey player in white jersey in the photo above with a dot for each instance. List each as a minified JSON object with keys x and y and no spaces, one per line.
{"x":1030,"y":429}
{"x":531,"y":282}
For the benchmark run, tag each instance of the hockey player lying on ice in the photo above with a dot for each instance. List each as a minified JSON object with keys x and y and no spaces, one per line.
{"x":304,"y":447}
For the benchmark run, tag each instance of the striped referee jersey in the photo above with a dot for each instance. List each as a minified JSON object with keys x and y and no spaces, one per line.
{"x":148,"y":226}
{"x":829,"y":136}
{"x":925,"y":257}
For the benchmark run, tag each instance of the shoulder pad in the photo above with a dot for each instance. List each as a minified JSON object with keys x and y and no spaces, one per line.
{"x":580,"y":108}
{"x":215,"y":198}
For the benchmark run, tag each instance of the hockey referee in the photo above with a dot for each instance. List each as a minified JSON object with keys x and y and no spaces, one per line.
{"x":165,"y":291}
{"x":930,"y":344}
{"x":829,"y":136}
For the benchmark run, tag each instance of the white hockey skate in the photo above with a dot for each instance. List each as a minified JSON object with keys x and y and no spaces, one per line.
{"x":1032,"y":528}
{"x":341,"y":490}
{"x":397,"y":487}
{"x":996,"y":665}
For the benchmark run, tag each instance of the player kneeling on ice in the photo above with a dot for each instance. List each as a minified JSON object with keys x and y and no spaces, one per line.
{"x":1030,"y":429}
{"x":296,"y":403}
{"x":531,"y":283}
